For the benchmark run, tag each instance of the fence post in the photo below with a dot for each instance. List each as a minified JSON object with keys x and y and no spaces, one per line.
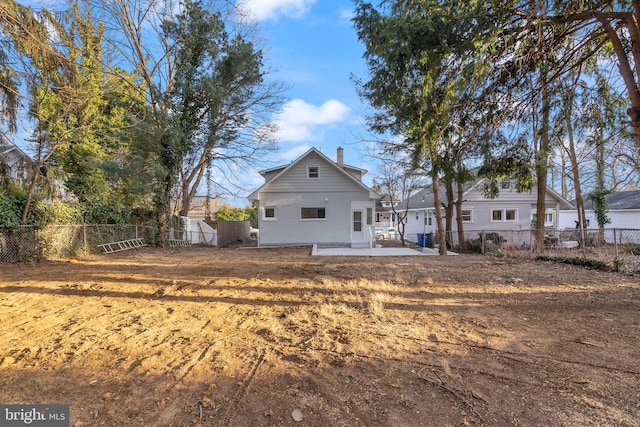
{"x":615,"y":244}
{"x":482,"y":241}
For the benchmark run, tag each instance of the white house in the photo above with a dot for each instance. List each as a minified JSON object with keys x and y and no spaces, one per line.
{"x":315,"y":200}
{"x":14,"y":163}
{"x":623,"y":209}
{"x":510,"y":211}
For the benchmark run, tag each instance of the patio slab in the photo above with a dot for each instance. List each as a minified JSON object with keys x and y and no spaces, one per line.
{"x":377,"y":251}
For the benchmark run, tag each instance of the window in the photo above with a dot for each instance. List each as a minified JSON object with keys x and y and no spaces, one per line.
{"x":312,"y":213}
{"x":369,"y":216}
{"x":313,"y":172}
{"x":549,"y":218}
{"x":466,"y":215}
{"x":357,"y":220}
{"x":269,"y":212}
{"x":505,"y":185}
{"x":507,"y":215}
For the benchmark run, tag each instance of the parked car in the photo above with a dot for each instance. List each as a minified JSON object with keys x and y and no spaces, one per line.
{"x":386,"y":233}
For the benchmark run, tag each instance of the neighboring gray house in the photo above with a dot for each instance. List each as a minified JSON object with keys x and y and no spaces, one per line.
{"x":315,"y":200}
{"x":623,"y":211}
{"x":14,"y":163}
{"x":385,"y":217}
{"x":510,"y":211}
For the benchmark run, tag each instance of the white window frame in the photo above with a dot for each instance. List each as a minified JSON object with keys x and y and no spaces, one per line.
{"x":503,"y":215}
{"x":316,"y":172}
{"x":515,"y":215}
{"x":462,"y":211}
{"x":548,"y":212}
{"x":313,"y":219}
{"x":269,"y":218}
{"x":354,"y":221}
{"x":551,"y":216}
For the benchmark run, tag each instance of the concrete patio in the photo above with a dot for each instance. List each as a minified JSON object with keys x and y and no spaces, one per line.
{"x":377,"y":251}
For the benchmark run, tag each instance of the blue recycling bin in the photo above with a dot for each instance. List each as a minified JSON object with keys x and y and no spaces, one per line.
{"x":423,"y":240}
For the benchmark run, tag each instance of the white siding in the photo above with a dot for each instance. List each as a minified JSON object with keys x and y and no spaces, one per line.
{"x":295,"y":179}
{"x":523,"y":203}
{"x":629,"y":218}
{"x":289,"y":229}
{"x":338,"y":191}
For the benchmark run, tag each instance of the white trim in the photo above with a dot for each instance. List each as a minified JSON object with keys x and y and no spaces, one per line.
{"x":503,"y":214}
{"x":256,"y":194}
{"x":264,"y":213}
{"x":470,"y":220}
{"x":309,"y":167}
{"x":313,"y":219}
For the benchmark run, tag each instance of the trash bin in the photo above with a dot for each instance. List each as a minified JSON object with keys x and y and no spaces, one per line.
{"x":423,"y":240}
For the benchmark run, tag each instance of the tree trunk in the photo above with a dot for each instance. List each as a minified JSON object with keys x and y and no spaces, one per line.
{"x":582,"y":221}
{"x":442,"y":242}
{"x":542,"y":166}
{"x":459,"y":222}
{"x":449,"y":211}
{"x":625,"y":68}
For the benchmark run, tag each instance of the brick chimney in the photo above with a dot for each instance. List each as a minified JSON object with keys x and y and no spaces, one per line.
{"x":340,"y":156}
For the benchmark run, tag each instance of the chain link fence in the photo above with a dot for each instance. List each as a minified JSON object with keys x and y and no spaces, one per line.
{"x":614,"y":248}
{"x":30,"y":244}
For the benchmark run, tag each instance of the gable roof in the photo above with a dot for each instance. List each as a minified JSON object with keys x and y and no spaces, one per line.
{"x":620,"y":200}
{"x":340,"y":168}
{"x":423,"y":199}
{"x":6,"y":149}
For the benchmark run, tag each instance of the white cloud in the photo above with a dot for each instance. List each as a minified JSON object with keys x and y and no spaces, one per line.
{"x":300,"y":121}
{"x":295,"y":152}
{"x":346,"y":15}
{"x":269,"y":9}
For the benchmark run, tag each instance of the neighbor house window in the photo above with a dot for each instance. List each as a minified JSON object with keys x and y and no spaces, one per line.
{"x":549,"y":218}
{"x":466,"y":215}
{"x":369,"y":216}
{"x":508,"y":215}
{"x":313,"y":172}
{"x":505,"y":185}
{"x":269,"y":212}
{"x":312,"y":213}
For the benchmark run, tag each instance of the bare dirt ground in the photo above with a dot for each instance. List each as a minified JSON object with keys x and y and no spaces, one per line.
{"x":258,"y":337}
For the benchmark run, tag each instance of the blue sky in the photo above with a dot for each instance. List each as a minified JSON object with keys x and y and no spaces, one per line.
{"x":312,"y":47}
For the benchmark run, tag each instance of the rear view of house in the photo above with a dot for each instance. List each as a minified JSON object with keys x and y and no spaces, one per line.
{"x":315,"y":200}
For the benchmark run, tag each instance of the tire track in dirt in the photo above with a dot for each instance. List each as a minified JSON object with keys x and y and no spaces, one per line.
{"x":228,"y":414}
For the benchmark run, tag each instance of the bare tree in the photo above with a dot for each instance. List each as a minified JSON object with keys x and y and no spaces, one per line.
{"x":399,"y":182}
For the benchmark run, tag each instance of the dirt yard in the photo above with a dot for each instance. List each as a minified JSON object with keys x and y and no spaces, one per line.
{"x":275,"y":337}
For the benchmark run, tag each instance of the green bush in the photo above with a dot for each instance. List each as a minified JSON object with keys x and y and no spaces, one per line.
{"x":11,"y":208}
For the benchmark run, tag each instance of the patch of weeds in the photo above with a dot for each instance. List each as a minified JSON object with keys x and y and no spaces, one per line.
{"x":585,"y":262}
{"x":634,"y":250}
